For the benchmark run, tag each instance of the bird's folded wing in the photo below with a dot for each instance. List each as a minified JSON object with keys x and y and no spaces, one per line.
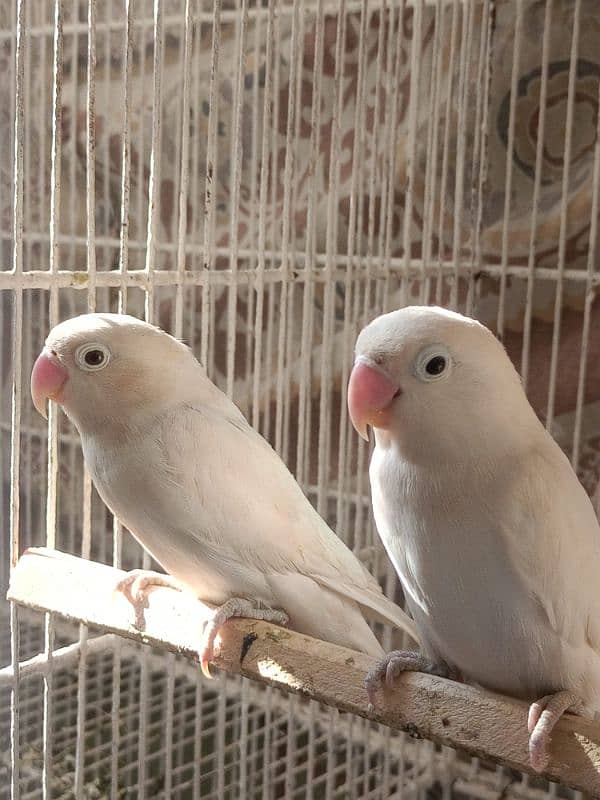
{"x":265,"y":518}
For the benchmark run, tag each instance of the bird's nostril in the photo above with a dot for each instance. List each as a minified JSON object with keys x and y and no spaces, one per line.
{"x":54,"y":353}
{"x":378,"y":360}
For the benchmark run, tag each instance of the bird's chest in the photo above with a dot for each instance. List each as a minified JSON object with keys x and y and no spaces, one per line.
{"x":453,"y":558}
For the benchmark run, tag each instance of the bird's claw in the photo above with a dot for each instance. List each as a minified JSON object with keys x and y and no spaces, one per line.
{"x":235,"y":607}
{"x":134,"y":587}
{"x":393,"y":664}
{"x":541,"y":720}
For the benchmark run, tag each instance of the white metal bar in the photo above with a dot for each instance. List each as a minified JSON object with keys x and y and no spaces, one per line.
{"x":210,"y":189}
{"x":272,"y":291}
{"x":61,"y":658}
{"x":388,"y":191}
{"x":262,"y":210}
{"x":184,"y":164}
{"x":461,"y":136}
{"x":510,"y":150}
{"x":432,"y":147}
{"x":229,"y":15}
{"x":446,"y":148}
{"x":413,"y":106}
{"x":198,"y":719}
{"x":564,"y":206}
{"x":481,"y":142}
{"x":589,"y":295}
{"x":282,"y":412}
{"x":149,"y":310}
{"x":537,"y":181}
{"x":55,"y":184}
{"x":220,"y":737}
{"x":122,"y":307}
{"x":351,"y":295}
{"x":77,"y":279}
{"x":16,"y":388}
{"x":197,"y":143}
{"x":324,"y":439}
{"x":304,"y":405}
{"x":155,"y":174}
{"x":375,"y":146}
{"x":91,"y":268}
{"x":234,"y":202}
{"x":126,"y":156}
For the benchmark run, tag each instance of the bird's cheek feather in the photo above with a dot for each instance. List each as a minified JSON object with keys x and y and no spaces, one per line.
{"x":370,"y":395}
{"x":48,"y":378}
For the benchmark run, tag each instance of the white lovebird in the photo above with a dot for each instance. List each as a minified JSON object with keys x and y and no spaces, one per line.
{"x":493,"y":537}
{"x":178,"y":464}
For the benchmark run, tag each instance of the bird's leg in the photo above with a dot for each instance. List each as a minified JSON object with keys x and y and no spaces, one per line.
{"x":543,"y":716}
{"x":135,"y":585}
{"x":387,"y":669}
{"x":235,"y":607}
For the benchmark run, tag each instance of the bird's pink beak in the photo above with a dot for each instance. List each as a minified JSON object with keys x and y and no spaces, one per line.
{"x":48,"y":378}
{"x":370,"y":395}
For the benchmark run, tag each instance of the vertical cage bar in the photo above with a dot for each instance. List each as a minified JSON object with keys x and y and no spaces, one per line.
{"x":155,"y":174}
{"x":55,"y":185}
{"x":236,"y":177}
{"x":125,"y":157}
{"x":537,"y":182}
{"x":481,"y":142}
{"x":184,"y":171}
{"x":413,"y":105}
{"x":122,"y":308}
{"x":446,"y":150}
{"x":510,"y":149}
{"x":211,"y":184}
{"x":304,"y":404}
{"x":324,"y":439}
{"x":564,"y":205}
{"x":262,"y":226}
{"x":87,"y":482}
{"x":354,"y":239}
{"x":149,"y":311}
{"x":590,"y":294}
{"x":287,"y":233}
{"x":17,"y":377}
{"x":432,"y":146}
{"x":461,"y":135}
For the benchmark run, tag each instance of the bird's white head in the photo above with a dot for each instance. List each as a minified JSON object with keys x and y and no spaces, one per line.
{"x":106,"y":367}
{"x":433,"y":381}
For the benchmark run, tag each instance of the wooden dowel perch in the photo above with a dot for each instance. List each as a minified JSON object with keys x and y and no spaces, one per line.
{"x":463,"y":717}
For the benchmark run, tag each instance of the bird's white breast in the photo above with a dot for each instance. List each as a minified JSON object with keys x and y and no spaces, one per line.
{"x":452,"y":551}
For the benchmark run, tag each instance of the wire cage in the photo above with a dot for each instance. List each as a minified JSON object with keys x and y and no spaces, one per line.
{"x":261,"y":179}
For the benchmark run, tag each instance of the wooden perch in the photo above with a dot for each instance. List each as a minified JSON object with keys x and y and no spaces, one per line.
{"x":482,"y":724}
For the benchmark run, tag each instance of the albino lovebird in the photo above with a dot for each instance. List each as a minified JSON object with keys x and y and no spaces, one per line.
{"x":178,"y":464}
{"x":494,"y":539}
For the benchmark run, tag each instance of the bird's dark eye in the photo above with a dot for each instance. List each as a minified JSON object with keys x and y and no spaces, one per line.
{"x":93,"y":358}
{"x":435,"y":365}
{"x":432,"y":363}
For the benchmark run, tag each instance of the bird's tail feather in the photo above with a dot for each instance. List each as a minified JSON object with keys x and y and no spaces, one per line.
{"x":375,"y":604}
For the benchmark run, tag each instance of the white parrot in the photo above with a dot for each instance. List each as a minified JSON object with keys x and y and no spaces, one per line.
{"x":178,"y":464}
{"x":493,"y":537}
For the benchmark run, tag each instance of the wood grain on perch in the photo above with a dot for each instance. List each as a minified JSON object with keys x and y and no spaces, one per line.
{"x":482,"y":724}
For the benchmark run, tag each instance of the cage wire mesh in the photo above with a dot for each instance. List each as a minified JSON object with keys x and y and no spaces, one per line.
{"x":261,"y":179}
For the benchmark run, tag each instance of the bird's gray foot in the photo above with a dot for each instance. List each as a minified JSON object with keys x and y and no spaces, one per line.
{"x":387,"y":669}
{"x":235,"y":607}
{"x":135,"y":587}
{"x":543,"y":716}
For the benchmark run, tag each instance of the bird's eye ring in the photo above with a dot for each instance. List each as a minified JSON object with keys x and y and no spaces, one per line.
{"x":432,"y":363}
{"x":92,"y":357}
